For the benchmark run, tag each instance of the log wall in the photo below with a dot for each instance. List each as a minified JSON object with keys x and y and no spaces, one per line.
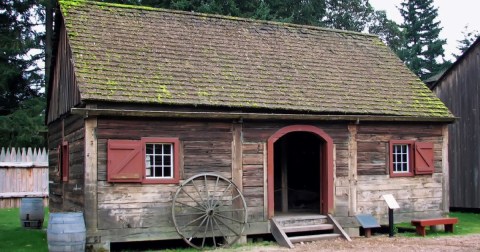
{"x":123,"y":211}
{"x":123,"y":208}
{"x":418,"y":196}
{"x":69,"y":195}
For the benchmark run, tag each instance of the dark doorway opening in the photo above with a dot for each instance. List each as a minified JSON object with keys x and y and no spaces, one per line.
{"x":297,"y":169}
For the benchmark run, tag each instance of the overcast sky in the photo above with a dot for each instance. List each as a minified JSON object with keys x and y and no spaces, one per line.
{"x":453,"y":15}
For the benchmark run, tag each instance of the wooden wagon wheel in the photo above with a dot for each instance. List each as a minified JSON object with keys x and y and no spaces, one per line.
{"x":209,"y":210}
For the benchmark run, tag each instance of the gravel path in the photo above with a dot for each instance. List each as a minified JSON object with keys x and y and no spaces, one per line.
{"x":383,"y":243}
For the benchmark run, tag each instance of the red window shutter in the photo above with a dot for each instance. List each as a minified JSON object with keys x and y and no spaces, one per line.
{"x":125,"y":161}
{"x":65,"y":161}
{"x":424,"y":158}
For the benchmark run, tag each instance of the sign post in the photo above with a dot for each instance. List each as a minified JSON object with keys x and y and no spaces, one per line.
{"x":392,"y":204}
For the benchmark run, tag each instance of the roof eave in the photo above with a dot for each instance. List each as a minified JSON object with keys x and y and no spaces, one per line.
{"x":92,"y":112}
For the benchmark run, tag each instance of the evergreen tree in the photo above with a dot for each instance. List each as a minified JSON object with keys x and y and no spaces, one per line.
{"x":352,"y":15}
{"x":25,"y":126}
{"x":21,"y":79}
{"x":468,"y":38}
{"x":388,"y":31}
{"x":422,"y":48}
{"x":306,"y":12}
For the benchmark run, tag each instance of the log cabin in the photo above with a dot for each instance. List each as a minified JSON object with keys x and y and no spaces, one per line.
{"x":298,"y":121}
{"x":459,"y":89}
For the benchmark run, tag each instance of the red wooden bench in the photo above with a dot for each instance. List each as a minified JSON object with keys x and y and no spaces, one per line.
{"x":420,"y":224}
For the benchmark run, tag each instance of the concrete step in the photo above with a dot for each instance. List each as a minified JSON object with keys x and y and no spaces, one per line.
{"x":307,"y":238}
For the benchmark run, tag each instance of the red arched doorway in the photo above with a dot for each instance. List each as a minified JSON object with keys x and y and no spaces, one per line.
{"x":293,"y":136}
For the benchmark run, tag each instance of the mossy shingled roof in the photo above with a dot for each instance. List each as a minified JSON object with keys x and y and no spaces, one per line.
{"x":133,"y":54}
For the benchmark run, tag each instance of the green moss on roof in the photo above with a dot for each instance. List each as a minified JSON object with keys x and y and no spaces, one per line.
{"x":140,"y":54}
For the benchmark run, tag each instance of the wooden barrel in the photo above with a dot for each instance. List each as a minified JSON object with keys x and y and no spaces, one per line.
{"x":66,"y":232}
{"x":31,"y":212}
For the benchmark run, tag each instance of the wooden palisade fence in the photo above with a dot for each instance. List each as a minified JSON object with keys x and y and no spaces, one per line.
{"x":23,"y":173}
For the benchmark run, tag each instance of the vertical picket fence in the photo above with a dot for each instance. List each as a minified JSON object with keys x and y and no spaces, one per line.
{"x":23,"y":173}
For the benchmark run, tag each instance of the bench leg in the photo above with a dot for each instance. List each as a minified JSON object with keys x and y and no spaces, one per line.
{"x":449,"y":228}
{"x":421,"y":230}
{"x":368,"y":232}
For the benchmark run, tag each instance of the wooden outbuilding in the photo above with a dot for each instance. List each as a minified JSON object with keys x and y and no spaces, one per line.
{"x":459,"y":89}
{"x":301,"y":121}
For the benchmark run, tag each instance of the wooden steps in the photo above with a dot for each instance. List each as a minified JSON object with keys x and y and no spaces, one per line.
{"x":304,"y":228}
{"x":306,"y":238}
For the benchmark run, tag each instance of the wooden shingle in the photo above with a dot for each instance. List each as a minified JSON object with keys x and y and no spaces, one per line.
{"x":137,"y":54}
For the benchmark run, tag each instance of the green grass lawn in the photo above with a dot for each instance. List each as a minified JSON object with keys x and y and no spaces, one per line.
{"x":468,"y":223}
{"x":13,"y":237}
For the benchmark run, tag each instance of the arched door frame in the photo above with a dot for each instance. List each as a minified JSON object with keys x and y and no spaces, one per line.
{"x":326,"y":172}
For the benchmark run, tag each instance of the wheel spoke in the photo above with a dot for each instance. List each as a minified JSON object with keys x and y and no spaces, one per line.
{"x":198,"y":203}
{"x":185,"y":204}
{"x":207,"y":201}
{"x":205,"y":232}
{"x":228,"y":218}
{"x":188,"y":214}
{"x":221,"y":195}
{"x":234,"y":198}
{"x":214,"y":206}
{"x":198,"y":228}
{"x":220,"y":229}
{"x":199,"y":194}
{"x":228,"y":227}
{"x":230,"y":210}
{"x":193,"y":221}
{"x":213,"y":233}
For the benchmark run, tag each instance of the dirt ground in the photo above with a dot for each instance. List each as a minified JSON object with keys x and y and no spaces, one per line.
{"x":383,"y":243}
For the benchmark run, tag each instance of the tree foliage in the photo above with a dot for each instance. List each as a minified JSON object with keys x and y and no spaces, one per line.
{"x":25,"y":126}
{"x":468,"y":38}
{"x":388,"y":31}
{"x":353,"y":15}
{"x":21,"y":79}
{"x":422,"y":49}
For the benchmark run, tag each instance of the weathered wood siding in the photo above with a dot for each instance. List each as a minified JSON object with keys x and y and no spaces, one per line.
{"x":67,"y":196}
{"x":459,"y":89}
{"x":420,"y":195}
{"x":63,"y":92}
{"x":127,"y":207}
{"x":360,"y":169}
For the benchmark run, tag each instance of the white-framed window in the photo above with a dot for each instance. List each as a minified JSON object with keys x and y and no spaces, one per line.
{"x":159,"y":160}
{"x":401,"y":158}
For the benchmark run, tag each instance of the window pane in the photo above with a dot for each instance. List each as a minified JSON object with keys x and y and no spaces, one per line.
{"x":167,"y":149}
{"x":149,"y":148}
{"x":167,"y":172}
{"x":159,"y":160}
{"x":166,"y":160}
